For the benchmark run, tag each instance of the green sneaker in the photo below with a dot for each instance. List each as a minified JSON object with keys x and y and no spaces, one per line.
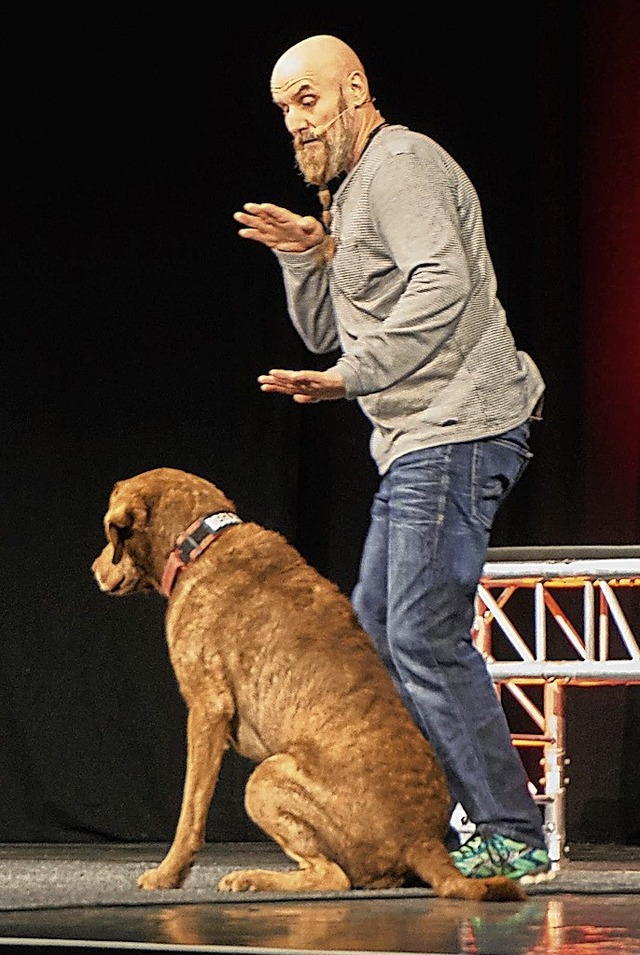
{"x":481,"y":857}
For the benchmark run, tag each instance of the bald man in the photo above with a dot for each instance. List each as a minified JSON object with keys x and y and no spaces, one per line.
{"x":396,"y":275}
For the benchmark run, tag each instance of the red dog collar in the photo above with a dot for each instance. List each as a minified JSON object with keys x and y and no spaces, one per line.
{"x":192,"y":542}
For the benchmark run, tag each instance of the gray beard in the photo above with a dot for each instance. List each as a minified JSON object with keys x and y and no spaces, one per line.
{"x":325,"y":160}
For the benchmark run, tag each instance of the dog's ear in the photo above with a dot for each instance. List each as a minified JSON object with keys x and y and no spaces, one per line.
{"x":121,"y":524}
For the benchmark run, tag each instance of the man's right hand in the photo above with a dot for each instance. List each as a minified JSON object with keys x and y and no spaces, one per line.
{"x":278,"y":228}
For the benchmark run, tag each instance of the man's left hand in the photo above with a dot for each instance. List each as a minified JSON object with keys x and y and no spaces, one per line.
{"x":305,"y":387}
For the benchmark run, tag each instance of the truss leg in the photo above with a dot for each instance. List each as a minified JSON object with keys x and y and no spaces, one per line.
{"x":554,"y":764}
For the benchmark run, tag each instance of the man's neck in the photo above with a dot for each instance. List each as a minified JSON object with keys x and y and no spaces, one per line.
{"x":371,"y":122}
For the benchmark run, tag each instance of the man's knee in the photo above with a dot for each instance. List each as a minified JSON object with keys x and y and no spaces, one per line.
{"x":440,"y":635}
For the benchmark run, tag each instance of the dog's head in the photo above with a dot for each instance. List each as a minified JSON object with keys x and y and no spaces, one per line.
{"x":144,"y":517}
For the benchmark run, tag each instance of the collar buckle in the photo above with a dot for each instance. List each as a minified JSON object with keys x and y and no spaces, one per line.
{"x":192,"y":542}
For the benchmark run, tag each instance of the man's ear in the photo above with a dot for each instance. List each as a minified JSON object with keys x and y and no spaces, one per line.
{"x":358,"y":89}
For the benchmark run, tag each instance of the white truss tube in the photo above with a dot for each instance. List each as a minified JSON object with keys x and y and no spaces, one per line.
{"x":506,"y":626}
{"x":621,"y":621}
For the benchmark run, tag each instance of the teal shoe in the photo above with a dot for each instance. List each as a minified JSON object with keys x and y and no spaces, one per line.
{"x":481,"y":857}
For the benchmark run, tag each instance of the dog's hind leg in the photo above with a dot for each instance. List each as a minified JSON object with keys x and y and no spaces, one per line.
{"x":206,"y":742}
{"x":278,"y":799}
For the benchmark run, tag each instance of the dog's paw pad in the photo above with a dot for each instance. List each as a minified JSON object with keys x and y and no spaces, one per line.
{"x":239,"y":882}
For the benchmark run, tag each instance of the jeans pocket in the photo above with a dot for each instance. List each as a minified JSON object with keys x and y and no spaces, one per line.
{"x":498,"y":465}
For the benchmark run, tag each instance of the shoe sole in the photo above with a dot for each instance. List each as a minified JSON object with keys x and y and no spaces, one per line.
{"x":538,"y":877}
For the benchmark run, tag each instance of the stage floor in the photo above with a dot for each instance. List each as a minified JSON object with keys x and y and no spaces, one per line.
{"x":84,"y":896}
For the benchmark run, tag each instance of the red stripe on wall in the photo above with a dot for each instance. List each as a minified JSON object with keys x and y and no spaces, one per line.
{"x":610,"y":267}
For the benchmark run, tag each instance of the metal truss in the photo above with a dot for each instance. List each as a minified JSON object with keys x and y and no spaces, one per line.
{"x":547,"y":617}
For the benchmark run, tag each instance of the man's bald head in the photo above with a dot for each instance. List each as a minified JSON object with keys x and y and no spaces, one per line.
{"x":323,"y":57}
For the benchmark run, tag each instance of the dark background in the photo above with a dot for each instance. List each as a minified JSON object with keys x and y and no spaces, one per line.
{"x":136,"y":322}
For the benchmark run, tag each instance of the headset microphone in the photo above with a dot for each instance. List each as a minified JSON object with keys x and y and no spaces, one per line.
{"x":321,"y":130}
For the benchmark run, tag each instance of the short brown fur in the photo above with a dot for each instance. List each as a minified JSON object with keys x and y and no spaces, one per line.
{"x":270,"y":659}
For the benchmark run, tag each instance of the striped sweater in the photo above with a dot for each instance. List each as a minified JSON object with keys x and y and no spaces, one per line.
{"x":410,"y":298}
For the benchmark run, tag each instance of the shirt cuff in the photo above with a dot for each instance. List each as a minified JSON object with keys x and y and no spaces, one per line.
{"x":348,"y":375}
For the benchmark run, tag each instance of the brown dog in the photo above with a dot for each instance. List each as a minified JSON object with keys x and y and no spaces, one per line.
{"x":269,"y":658}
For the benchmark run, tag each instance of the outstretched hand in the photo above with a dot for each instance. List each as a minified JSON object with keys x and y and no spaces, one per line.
{"x":278,"y":228}
{"x":304,"y":387}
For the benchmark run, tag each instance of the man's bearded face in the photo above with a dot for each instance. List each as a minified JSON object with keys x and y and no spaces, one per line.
{"x":322,"y":157}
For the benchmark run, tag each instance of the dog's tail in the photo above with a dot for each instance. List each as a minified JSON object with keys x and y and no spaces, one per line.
{"x":432,"y":863}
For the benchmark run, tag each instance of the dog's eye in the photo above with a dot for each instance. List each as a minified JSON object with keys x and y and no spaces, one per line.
{"x":118,"y":535}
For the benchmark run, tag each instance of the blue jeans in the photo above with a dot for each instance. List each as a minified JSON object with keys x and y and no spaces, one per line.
{"x":427,"y":543}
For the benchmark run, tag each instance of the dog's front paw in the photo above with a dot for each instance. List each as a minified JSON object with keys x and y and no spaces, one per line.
{"x":157,"y":879}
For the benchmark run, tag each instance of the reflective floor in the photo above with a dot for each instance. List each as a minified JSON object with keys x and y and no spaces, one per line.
{"x":598,"y":920}
{"x":563,"y":925}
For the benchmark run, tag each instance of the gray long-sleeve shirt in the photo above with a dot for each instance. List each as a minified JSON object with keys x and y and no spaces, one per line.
{"x":411,"y":300}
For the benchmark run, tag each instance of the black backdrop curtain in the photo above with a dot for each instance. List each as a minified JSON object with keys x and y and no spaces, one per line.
{"x":136,"y":323}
